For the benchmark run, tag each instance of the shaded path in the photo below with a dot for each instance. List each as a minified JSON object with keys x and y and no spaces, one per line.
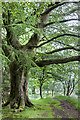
{"x":65,"y":110}
{"x":68,"y":110}
{"x":58,"y":113}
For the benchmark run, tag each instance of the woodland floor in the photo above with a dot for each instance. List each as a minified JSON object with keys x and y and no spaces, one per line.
{"x":47,"y":108}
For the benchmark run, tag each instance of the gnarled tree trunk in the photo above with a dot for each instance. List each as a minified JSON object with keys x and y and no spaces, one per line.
{"x":18,"y":94}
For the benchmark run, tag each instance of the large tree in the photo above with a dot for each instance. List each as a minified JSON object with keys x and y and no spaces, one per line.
{"x":30,"y":28}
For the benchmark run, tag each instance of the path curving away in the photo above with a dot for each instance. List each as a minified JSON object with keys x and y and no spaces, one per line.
{"x":68,"y":110}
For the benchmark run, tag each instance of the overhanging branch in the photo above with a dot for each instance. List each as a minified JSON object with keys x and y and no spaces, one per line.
{"x":69,"y":12}
{"x":55,"y":6}
{"x":61,"y":22}
{"x":56,"y":38}
{"x":57,"y":61}
{"x":46,"y":12}
{"x":51,"y":8}
{"x":60,"y":49}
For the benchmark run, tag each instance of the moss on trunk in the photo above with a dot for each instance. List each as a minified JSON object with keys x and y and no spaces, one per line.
{"x":18,"y":98}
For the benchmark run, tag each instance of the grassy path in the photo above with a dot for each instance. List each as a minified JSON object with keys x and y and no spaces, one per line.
{"x":58,"y":107}
{"x":68,"y":110}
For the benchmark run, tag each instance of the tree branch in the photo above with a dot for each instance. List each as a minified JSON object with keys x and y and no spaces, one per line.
{"x":46,"y":12}
{"x":55,"y":6}
{"x":57,"y":41}
{"x":32,"y":42}
{"x":60,"y":22}
{"x":26,"y":19}
{"x":57,"y":61}
{"x":57,"y":37}
{"x":60,"y":49}
{"x":70,"y":12}
{"x":11,"y":36}
{"x":6,"y":50}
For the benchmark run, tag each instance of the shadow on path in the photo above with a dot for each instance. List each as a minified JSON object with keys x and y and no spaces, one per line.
{"x":68,"y":110}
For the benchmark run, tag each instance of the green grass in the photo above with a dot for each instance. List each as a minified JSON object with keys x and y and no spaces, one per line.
{"x":42,"y":106}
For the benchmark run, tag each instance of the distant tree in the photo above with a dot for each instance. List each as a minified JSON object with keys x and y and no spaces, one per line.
{"x":41,"y":76}
{"x":70,"y":78}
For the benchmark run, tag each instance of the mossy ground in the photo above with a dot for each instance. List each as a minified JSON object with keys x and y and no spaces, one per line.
{"x":42,"y":108}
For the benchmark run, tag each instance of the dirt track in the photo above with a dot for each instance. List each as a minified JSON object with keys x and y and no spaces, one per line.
{"x":68,"y":110}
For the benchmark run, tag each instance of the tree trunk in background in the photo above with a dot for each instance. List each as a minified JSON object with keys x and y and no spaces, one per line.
{"x":33,"y":90}
{"x":73,"y":86}
{"x":64,"y":91}
{"x":68,"y":88}
{"x":41,"y":91}
{"x":64,"y":88}
{"x":72,"y":91}
{"x":52,"y":92}
{"x":67,"y":93}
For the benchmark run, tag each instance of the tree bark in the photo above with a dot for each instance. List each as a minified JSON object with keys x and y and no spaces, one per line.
{"x":64,"y":88}
{"x":18,"y":98}
{"x":57,"y":61}
{"x":16,"y":94}
{"x":68,"y":88}
{"x":64,"y":91}
{"x":41,"y":91}
{"x":72,"y":87}
{"x":52,"y":92}
{"x":25,"y":90}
